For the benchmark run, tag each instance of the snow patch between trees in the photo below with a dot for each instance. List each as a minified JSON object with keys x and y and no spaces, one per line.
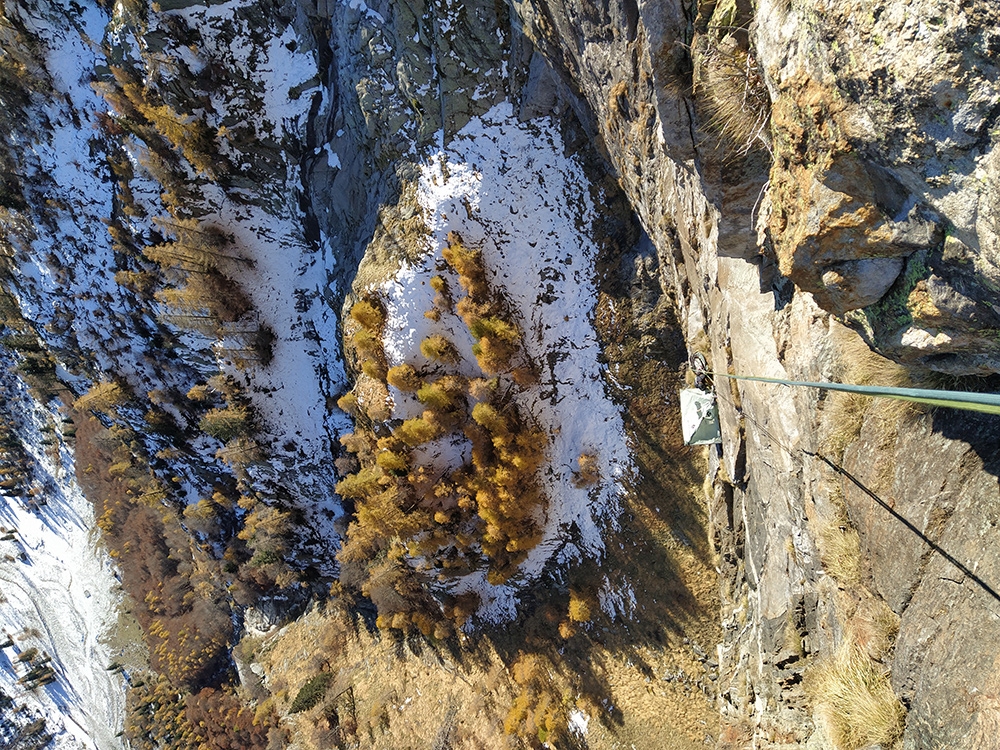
{"x":507,"y":188}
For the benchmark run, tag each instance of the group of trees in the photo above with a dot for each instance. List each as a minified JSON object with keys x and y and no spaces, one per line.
{"x":197,"y":295}
{"x":175,"y":583}
{"x":21,"y":727}
{"x":181,"y":589}
{"x":189,"y":267}
{"x":209,"y":719}
{"x":21,"y":76}
{"x":266,"y":530}
{"x":419,"y":519}
{"x":37,"y":666}
{"x":35,"y":363}
{"x":171,"y":135}
{"x":498,"y":348}
{"x":183,"y":566}
{"x":539,"y":710}
{"x":15,"y":465}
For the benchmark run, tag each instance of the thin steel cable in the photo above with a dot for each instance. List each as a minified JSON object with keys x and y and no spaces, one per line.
{"x":935,"y":547}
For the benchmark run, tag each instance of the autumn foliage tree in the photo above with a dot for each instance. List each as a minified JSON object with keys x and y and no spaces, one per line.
{"x":141,"y":109}
{"x":539,"y":710}
{"x":103,"y":396}
{"x":437,"y":348}
{"x":207,"y":719}
{"x":404,"y":377}
{"x":419,"y":520}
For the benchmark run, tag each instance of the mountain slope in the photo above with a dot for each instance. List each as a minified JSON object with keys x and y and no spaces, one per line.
{"x":361,"y":326}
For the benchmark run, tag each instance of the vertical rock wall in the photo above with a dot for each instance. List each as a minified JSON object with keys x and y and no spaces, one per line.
{"x":873,"y":201}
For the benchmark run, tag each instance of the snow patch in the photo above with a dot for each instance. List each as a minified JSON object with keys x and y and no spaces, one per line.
{"x":332,"y":158}
{"x":362,"y":7}
{"x":578,"y":722}
{"x":507,"y":187}
{"x":60,"y":593}
{"x":617,"y":601}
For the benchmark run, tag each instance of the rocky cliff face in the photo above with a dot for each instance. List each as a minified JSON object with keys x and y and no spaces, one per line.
{"x":871,"y":194}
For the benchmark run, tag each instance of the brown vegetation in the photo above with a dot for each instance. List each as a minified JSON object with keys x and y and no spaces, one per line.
{"x":141,"y":111}
{"x":729,"y":82}
{"x":409,"y":507}
{"x":854,"y":695}
{"x":209,"y":719}
{"x":103,"y":397}
{"x":404,"y":377}
{"x":168,"y":554}
{"x":589,"y":472}
{"x":181,"y":607}
{"x":844,"y":413}
{"x":538,"y":710}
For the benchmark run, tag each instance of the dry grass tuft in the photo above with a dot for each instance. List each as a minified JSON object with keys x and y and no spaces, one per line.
{"x":845,"y":413}
{"x":873,"y":628}
{"x":732,"y":92}
{"x":840,"y":551}
{"x":853,"y":695}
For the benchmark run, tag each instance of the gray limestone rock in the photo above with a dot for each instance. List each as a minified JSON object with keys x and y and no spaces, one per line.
{"x":852,"y":284}
{"x":881,"y":140}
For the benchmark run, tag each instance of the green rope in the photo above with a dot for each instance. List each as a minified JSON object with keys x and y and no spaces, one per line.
{"x":988,"y":403}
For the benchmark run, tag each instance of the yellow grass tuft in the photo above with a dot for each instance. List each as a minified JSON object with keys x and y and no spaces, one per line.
{"x":732,"y":92}
{"x":853,"y":695}
{"x":844,"y":413}
{"x":840,"y":551}
{"x":873,"y":628}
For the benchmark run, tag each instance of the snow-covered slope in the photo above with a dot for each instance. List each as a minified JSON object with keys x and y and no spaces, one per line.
{"x":59,"y":590}
{"x":507,"y":187}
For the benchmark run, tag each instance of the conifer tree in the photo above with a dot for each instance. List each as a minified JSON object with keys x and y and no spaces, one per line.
{"x":368,"y":315}
{"x":468,"y":264}
{"x":436,"y":396}
{"x":348,"y":403}
{"x":362,"y":484}
{"x":226,"y":424}
{"x":104,"y":397}
{"x":404,"y":377}
{"x":437,"y":348}
{"x":416,"y":431}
